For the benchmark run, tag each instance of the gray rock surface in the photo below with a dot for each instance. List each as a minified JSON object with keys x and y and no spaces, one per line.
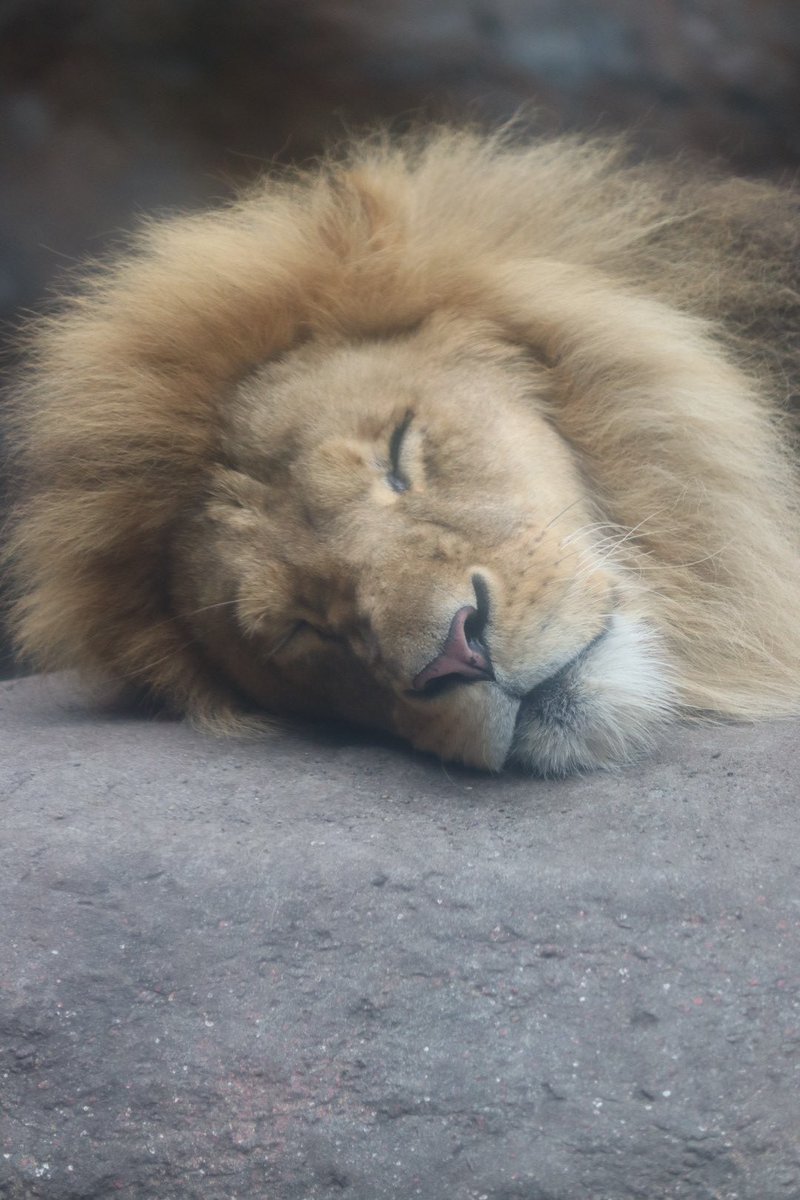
{"x":321,"y":967}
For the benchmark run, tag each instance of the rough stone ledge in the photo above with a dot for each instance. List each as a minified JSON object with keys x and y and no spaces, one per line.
{"x":320,"y":967}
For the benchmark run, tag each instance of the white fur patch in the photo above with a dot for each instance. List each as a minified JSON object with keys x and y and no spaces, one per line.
{"x":602,"y":711}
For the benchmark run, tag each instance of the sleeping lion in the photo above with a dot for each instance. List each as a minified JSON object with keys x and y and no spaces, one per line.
{"x":483,"y":443}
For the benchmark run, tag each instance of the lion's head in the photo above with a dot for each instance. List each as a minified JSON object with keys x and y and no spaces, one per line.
{"x":398,"y":535}
{"x":411,"y":443}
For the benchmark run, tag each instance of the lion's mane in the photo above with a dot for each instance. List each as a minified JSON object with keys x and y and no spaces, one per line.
{"x":666,"y":307}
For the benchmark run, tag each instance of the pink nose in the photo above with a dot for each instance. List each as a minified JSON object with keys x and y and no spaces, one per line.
{"x":462,"y":655}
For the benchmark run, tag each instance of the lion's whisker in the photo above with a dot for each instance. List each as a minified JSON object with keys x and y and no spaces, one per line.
{"x":559,"y":515}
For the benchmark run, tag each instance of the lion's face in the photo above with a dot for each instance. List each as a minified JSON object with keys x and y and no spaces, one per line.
{"x":399,"y":536}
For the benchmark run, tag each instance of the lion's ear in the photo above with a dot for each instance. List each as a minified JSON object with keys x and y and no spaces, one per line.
{"x":371,"y":211}
{"x":528,"y":348}
{"x":380,"y":280}
{"x":383,"y":202}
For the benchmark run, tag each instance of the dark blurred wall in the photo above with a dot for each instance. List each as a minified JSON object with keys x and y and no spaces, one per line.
{"x":110,"y":108}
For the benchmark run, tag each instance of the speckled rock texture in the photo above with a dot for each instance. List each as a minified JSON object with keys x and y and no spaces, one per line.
{"x":320,"y":967}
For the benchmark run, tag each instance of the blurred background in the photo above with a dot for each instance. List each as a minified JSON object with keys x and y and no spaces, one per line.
{"x":113,"y":108}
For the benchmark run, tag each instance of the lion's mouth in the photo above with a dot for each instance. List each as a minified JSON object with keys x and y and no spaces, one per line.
{"x":601,"y":708}
{"x":554,"y":700}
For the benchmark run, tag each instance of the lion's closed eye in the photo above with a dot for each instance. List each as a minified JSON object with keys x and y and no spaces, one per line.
{"x":318,"y":633}
{"x":398,"y":474}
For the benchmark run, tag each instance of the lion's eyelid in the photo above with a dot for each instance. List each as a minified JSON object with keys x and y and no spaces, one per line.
{"x":396,"y":477}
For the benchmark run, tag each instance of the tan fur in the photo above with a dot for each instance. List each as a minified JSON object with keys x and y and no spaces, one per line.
{"x":596,"y":360}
